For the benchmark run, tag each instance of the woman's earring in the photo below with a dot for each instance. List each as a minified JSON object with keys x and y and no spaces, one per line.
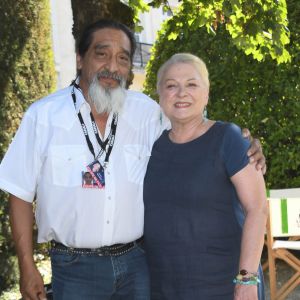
{"x":204,"y":115}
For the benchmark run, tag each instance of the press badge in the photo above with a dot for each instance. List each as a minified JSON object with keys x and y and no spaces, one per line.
{"x":97,"y":171}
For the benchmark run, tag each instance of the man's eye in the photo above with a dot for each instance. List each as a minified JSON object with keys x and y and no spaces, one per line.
{"x":192,"y":84}
{"x":124,"y":58}
{"x":101,"y":54}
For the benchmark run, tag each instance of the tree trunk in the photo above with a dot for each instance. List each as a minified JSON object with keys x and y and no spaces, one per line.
{"x":88,"y":11}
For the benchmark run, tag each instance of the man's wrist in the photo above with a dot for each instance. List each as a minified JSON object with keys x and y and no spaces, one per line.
{"x":26,"y":263}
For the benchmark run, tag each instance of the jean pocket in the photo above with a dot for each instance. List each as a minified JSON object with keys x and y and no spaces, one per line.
{"x":141,"y":249}
{"x":59,"y":259}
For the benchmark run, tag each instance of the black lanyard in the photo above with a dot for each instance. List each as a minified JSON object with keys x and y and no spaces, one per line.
{"x":109,"y":140}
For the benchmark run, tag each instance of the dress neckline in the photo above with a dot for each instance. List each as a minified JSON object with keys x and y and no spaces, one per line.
{"x":202,"y":136}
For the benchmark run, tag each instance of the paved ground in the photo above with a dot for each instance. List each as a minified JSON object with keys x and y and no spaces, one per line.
{"x":283,"y":274}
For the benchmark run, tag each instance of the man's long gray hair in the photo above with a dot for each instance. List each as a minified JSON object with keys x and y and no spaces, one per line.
{"x":106,"y":100}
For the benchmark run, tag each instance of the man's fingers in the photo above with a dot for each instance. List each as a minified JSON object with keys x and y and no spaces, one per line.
{"x":34,"y":295}
{"x":264,"y":168}
{"x":246,"y":133}
{"x":255,"y":149}
{"x":34,"y":292}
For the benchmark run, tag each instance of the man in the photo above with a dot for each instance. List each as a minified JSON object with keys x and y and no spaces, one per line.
{"x":95,"y":233}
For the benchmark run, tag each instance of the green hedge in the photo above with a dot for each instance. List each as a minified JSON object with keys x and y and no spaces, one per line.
{"x":264,"y":97}
{"x":26,"y":74}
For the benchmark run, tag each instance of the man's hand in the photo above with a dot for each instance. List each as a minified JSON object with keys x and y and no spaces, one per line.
{"x":32,"y":285}
{"x":255,"y":153}
{"x":21,"y":220}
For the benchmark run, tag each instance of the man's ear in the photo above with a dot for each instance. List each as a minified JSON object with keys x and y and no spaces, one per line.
{"x":78,"y":62}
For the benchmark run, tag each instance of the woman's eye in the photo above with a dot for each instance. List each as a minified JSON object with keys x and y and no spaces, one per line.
{"x":170,"y":86}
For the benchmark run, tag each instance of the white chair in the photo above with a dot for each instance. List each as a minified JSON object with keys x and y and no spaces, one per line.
{"x":283,"y":235}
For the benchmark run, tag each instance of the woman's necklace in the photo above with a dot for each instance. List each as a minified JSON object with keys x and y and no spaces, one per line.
{"x":182,"y":137}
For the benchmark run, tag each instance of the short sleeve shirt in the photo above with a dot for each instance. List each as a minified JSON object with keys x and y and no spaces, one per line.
{"x":49,"y":153}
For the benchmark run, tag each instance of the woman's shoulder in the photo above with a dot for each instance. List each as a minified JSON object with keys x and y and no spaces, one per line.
{"x":228,"y":130}
{"x":229,"y":127}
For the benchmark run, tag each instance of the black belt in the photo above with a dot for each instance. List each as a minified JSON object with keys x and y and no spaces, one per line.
{"x":113,"y":250}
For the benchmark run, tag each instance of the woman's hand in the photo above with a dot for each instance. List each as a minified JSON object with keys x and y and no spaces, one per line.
{"x":255,"y":152}
{"x":245,"y":292}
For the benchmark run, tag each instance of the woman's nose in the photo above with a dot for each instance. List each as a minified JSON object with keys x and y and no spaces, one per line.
{"x":181,"y":91}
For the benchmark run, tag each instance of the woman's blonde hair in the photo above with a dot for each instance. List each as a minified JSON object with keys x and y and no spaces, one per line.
{"x":187,"y":58}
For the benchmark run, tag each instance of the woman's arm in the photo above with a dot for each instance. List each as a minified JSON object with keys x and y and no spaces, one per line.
{"x":250,"y":187}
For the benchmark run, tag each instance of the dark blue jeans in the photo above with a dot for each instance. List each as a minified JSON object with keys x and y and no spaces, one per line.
{"x":86,"y":277}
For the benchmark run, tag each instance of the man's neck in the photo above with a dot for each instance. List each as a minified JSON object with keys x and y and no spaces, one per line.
{"x":100,"y":119}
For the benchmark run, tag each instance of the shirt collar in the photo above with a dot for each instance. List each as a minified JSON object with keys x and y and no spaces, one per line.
{"x":80,"y":100}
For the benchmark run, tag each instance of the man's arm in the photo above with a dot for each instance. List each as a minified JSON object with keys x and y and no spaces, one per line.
{"x":255,"y":152}
{"x":21,"y":219}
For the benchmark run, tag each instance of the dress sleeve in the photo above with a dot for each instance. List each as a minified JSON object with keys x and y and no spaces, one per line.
{"x":20,"y":165}
{"x":234,"y":149}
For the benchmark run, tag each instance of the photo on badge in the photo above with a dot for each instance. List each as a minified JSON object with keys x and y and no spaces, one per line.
{"x":88,"y":181}
{"x":97,"y":172}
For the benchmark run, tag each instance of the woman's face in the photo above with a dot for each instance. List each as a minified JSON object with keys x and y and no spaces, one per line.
{"x":183,"y":94}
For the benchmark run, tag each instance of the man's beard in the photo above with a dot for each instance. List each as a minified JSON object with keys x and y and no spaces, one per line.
{"x":107,"y":100}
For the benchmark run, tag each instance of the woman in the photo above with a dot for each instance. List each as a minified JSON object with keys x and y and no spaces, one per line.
{"x":198,"y":180}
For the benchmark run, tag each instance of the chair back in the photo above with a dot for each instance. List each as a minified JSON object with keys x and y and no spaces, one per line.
{"x":283,"y":234}
{"x":284,"y":216}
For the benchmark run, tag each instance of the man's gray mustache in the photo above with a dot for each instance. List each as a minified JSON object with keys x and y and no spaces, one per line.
{"x":107,"y":74}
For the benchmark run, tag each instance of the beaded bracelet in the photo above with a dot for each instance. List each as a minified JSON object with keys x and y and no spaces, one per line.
{"x":246,"y":278}
{"x":250,"y":282}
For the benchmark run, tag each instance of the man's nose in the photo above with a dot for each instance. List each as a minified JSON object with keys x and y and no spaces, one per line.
{"x":112,"y":65}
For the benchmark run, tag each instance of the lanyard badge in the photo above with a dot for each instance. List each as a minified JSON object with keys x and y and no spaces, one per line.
{"x":94,"y":177}
{"x":97,"y":171}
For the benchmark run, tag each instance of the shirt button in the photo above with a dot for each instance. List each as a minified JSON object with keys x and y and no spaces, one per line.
{"x":107,"y":222}
{"x":109,"y":197}
{"x":108,"y":173}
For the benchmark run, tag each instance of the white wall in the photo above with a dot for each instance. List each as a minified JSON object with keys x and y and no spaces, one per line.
{"x":63,"y":41}
{"x":151,"y":22}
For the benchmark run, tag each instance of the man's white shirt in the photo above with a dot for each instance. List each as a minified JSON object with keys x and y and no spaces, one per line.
{"x":49,"y":153}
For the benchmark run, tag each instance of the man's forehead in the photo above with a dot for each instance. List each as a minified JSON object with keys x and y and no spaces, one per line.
{"x":111,"y":37}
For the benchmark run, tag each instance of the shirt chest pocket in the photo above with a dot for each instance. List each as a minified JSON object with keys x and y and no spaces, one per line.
{"x":136,"y":157}
{"x":68,"y":162}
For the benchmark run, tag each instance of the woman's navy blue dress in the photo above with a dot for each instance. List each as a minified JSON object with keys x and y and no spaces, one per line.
{"x":193,"y":220}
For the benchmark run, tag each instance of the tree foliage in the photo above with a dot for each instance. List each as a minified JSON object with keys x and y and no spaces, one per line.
{"x":26,"y":73}
{"x":258,"y":27}
{"x":262,"y":96}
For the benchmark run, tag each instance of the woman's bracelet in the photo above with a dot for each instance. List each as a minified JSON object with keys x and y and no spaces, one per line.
{"x":246,"y":278}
